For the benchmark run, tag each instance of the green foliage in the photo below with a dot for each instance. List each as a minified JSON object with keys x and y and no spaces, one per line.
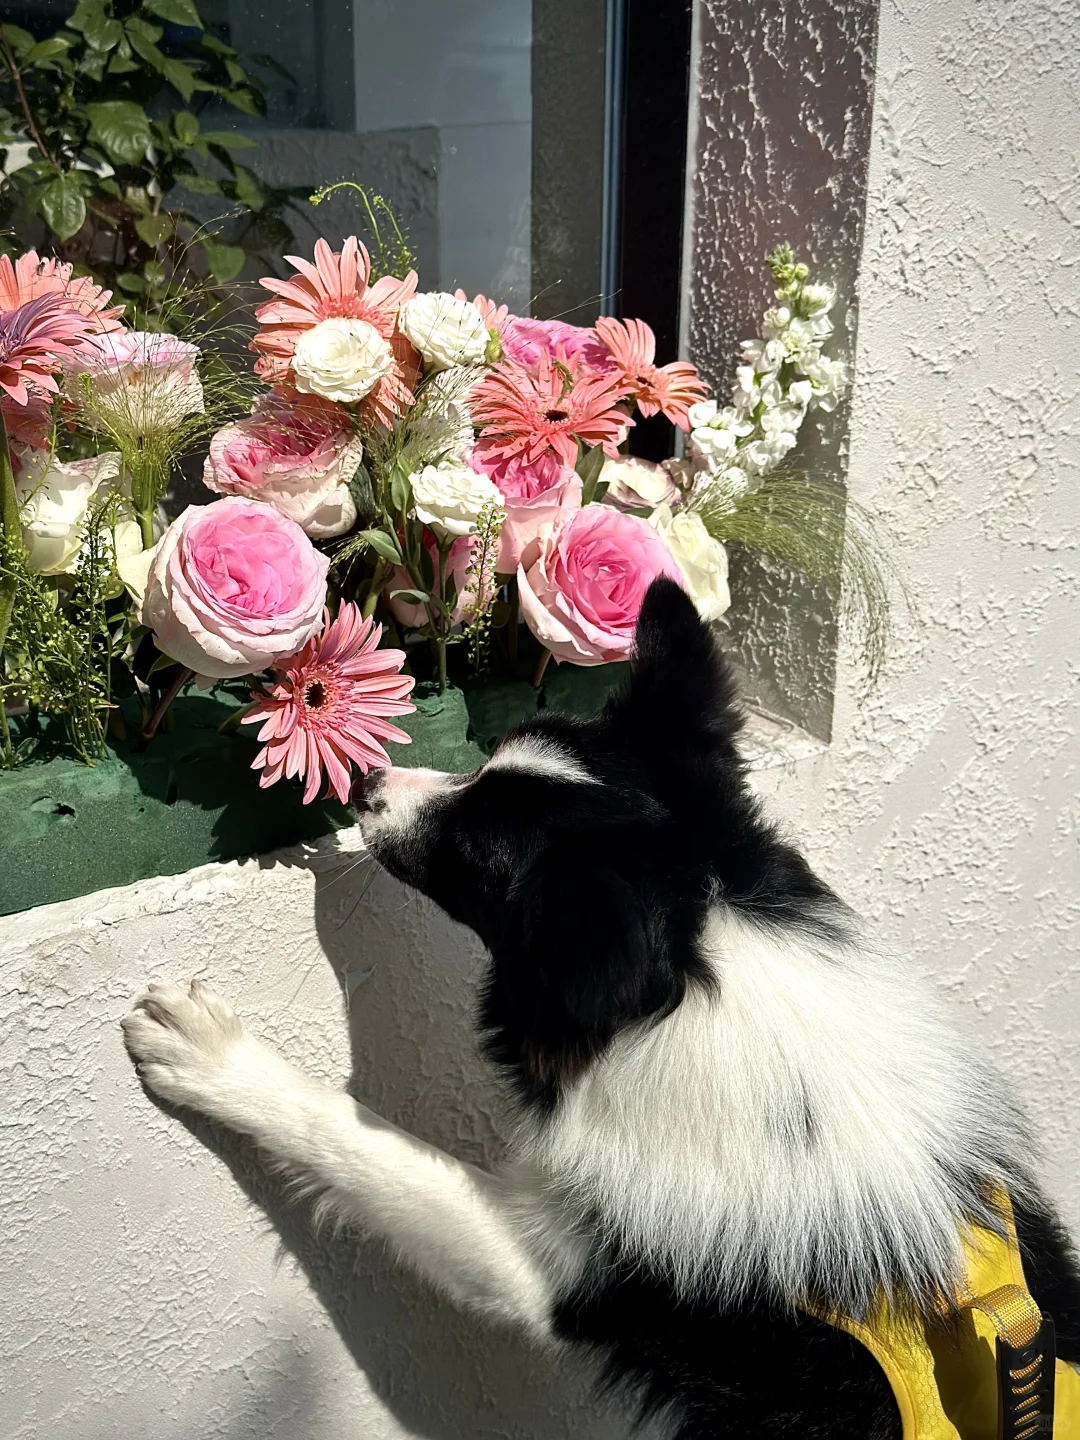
{"x":108,"y":161}
{"x":816,"y":529}
{"x":58,"y":657}
{"x":387,"y":242}
{"x":481,"y":583}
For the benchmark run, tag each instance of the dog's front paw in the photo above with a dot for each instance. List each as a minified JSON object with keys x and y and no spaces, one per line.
{"x":183,"y":1042}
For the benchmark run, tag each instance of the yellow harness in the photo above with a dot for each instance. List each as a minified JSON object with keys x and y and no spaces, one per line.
{"x":988,"y":1373}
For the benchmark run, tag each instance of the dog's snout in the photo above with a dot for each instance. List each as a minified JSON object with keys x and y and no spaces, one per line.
{"x":365,"y":791}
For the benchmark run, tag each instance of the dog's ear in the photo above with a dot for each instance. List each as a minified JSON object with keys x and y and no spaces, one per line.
{"x":573,"y":966}
{"x":681,"y":693}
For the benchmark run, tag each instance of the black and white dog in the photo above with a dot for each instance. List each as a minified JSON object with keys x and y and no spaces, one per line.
{"x":725,"y":1096}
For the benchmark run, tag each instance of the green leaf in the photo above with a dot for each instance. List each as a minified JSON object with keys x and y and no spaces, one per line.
{"x":362,"y":493}
{"x":136,"y":25}
{"x":132,"y":284}
{"x":63,"y":205}
{"x":51,"y":49}
{"x":181,"y":77}
{"x":225,"y":261}
{"x":426,"y":566}
{"x":19,"y":39}
{"x":121,"y":65}
{"x":121,"y":127}
{"x":248,"y":190}
{"x":384,"y":545}
{"x":88,"y":17}
{"x":231,"y":139}
{"x":153,"y":229}
{"x":223,"y":157}
{"x":185,"y":127}
{"x":589,"y":465}
{"x":401,"y":496}
{"x":147,"y":49}
{"x":415,"y":597}
{"x":218,"y":47}
{"x":245,"y":100}
{"x":199,"y":184}
{"x":179,"y":12}
{"x":163,"y":662}
{"x":236,"y":73}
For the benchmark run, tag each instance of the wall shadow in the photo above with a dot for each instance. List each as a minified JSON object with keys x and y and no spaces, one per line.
{"x":406,"y":975}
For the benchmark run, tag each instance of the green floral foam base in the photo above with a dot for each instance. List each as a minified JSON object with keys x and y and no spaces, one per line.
{"x":68,"y":829}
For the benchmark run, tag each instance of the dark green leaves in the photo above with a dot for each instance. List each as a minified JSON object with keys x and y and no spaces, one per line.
{"x":225,"y":261}
{"x":179,"y":12}
{"x":384,"y":545}
{"x":121,"y":128}
{"x":589,"y":465}
{"x":63,"y":204}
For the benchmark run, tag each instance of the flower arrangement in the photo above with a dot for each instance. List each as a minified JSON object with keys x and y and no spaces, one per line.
{"x":416,"y":464}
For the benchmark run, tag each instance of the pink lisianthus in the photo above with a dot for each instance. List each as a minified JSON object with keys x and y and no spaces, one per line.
{"x":581,"y":595}
{"x":233,"y":586}
{"x":413,"y":615}
{"x":533,"y":494}
{"x":140,"y":380}
{"x":297,"y":456}
{"x":329,"y":705}
{"x":525,"y":340}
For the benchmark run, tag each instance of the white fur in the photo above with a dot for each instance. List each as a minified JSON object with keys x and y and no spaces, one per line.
{"x":470,"y":1233}
{"x":688,"y":1135}
{"x":402,"y":794}
{"x":536,"y":755}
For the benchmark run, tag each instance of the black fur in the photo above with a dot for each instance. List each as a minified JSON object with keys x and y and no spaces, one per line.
{"x":590,"y":899}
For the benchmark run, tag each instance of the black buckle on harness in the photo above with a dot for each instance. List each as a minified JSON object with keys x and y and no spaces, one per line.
{"x":1026,"y":1386}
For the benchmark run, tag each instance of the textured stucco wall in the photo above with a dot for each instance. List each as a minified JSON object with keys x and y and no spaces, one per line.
{"x":142,"y":1293}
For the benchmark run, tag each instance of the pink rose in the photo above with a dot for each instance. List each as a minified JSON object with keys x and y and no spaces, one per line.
{"x":582,"y":595}
{"x":414,"y":616}
{"x":297,"y":457}
{"x":140,"y":380}
{"x":533,"y":495}
{"x":234,"y":586}
{"x":525,"y":340}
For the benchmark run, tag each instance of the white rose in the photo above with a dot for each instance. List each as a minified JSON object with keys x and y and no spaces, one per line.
{"x":132,"y":561}
{"x":447,"y":331}
{"x":638,"y":484}
{"x":450,"y":496}
{"x":341,"y":360}
{"x":701,"y":558}
{"x":54,"y":497}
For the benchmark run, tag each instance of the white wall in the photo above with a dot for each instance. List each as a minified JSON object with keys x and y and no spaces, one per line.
{"x":142,"y":1293}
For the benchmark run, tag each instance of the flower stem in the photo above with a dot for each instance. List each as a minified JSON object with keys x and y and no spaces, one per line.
{"x":11,"y":537}
{"x":158,"y":713}
{"x":538,"y":673}
{"x":512,"y":625}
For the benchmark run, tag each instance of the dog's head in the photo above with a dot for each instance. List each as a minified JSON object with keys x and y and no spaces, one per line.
{"x":586,"y":852}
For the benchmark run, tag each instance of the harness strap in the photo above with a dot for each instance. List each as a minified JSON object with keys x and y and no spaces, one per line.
{"x":1025,"y":1361}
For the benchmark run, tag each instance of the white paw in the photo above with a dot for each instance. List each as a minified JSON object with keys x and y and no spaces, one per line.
{"x":183,"y":1042}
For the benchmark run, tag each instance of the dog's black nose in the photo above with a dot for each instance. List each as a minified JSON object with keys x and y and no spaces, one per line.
{"x":364,"y":790}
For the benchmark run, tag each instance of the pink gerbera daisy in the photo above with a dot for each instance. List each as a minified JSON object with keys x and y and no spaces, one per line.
{"x":36,"y":339}
{"x":671,"y":389}
{"x":328,"y":705}
{"x":548,"y":409}
{"x":494,"y":316}
{"x":336,"y":287}
{"x":31,"y":276}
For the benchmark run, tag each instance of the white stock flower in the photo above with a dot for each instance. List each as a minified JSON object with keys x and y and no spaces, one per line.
{"x":715,"y":433}
{"x":701,"y":558}
{"x":447,"y":331}
{"x":54,"y":497}
{"x":817,"y":300}
{"x":776,"y":321}
{"x":341,"y":360}
{"x":828,"y":380}
{"x":450,"y":496}
{"x":766,"y":356}
{"x":634,"y":483}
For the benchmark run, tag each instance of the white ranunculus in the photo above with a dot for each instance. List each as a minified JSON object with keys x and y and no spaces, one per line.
{"x":341,"y":360}
{"x":447,"y":331}
{"x":450,"y":496}
{"x":54,"y":497}
{"x":701,"y":558}
{"x":638,"y":484}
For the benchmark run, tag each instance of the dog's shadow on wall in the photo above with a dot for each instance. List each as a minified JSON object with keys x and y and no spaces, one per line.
{"x":408,"y":978}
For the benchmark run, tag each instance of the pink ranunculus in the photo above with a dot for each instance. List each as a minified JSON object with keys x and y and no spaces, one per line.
{"x":413,"y":616}
{"x":297,"y":457}
{"x":582,"y":594}
{"x":533,"y":494}
{"x":234,"y":586}
{"x":525,"y":340}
